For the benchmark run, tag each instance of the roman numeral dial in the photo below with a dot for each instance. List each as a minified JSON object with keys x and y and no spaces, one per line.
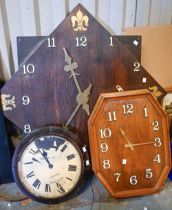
{"x":50,"y":166}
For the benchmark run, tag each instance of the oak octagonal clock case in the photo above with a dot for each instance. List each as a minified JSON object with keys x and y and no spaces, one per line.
{"x":60,"y":81}
{"x":129,"y":143}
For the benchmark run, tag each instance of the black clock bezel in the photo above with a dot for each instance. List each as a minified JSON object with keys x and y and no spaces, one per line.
{"x":68,"y":136}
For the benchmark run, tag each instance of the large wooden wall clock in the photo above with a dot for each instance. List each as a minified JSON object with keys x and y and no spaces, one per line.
{"x":60,"y":81}
{"x":129,"y":143}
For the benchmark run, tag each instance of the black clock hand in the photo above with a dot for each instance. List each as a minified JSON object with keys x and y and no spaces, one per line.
{"x":44,"y":155}
{"x":46,"y":158}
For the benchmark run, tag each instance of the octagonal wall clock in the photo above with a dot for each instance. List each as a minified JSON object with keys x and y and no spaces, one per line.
{"x":59,"y":83}
{"x":129,"y":143}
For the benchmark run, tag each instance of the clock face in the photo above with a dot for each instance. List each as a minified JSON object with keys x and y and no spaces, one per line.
{"x":129,"y":143}
{"x":48,"y":166}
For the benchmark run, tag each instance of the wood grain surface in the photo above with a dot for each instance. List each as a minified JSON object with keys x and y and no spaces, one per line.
{"x":133,"y":145}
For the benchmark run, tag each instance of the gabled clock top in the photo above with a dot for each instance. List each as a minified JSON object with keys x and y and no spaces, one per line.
{"x":60,"y":82}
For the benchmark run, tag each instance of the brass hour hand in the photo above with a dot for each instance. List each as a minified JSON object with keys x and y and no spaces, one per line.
{"x":129,"y":144}
{"x":82,"y":97}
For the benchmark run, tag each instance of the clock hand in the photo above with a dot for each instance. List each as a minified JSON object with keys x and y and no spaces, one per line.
{"x":46,"y":158}
{"x":72,"y":115}
{"x":70,"y":67}
{"x":44,"y":155}
{"x":126,"y":138}
{"x":140,"y":144}
{"x":83,"y":96}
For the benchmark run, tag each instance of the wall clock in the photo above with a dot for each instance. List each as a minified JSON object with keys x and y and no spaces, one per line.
{"x":55,"y":151}
{"x":60,"y":81}
{"x":129,"y":143}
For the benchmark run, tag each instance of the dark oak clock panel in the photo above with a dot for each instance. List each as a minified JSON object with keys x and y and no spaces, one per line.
{"x":129,"y":143}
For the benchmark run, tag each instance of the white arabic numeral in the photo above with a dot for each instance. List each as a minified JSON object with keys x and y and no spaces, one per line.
{"x":28,"y":69}
{"x":149,"y":173}
{"x":104,"y":147}
{"x":51,"y":42}
{"x":26,"y":100}
{"x":133,"y":180}
{"x":137,"y":66}
{"x":157,"y":158}
{"x":117,"y":175}
{"x":105,"y":133}
{"x":112,"y":116}
{"x":155,"y":125}
{"x":128,"y":109}
{"x":106,"y":164}
{"x":81,"y":41}
{"x":111,"y":41}
{"x":157,"y":142}
{"x":27,"y":128}
{"x":145,"y":112}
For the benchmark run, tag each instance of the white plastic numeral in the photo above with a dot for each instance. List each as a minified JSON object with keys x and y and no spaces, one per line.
{"x":27,"y":128}
{"x":137,"y":66}
{"x":111,"y":116}
{"x":117,"y":175}
{"x":157,"y":142}
{"x":106,"y":164}
{"x":157,"y":158}
{"x":104,"y":147}
{"x":105,"y":133}
{"x":81,"y":41}
{"x":51,"y":42}
{"x":28,"y":69}
{"x":111,"y":42}
{"x":26,"y":100}
{"x":128,"y":109}
{"x":156,"y":125}
{"x":133,"y":180}
{"x":149,"y":173}
{"x":145,"y":112}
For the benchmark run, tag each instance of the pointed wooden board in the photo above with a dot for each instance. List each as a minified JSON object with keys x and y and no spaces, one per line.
{"x":47,"y":95}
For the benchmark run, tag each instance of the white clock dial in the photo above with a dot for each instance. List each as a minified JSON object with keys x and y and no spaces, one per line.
{"x":50,"y":172}
{"x":48,"y":166}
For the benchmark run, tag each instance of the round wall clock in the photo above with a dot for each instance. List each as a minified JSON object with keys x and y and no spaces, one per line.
{"x":129,"y":143}
{"x":49,"y":165}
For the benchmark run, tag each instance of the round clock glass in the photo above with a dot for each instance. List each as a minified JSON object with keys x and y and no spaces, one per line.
{"x":129,"y":143}
{"x":48,"y":165}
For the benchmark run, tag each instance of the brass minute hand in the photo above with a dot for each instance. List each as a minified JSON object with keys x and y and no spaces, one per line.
{"x":139,"y":144}
{"x":126,"y":138}
{"x":82,"y":97}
